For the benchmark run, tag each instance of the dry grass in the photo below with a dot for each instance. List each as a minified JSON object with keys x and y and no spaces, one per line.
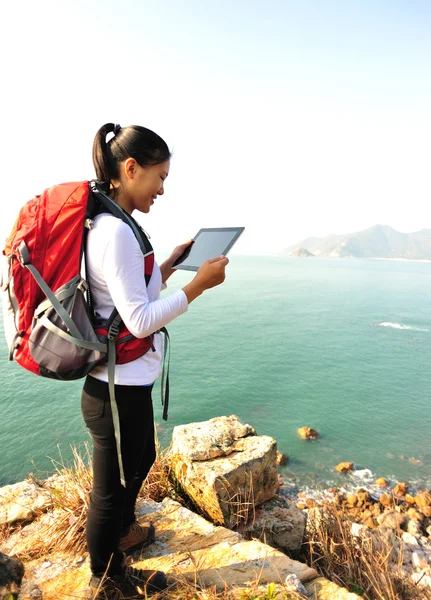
{"x":5,"y":532}
{"x":62,"y":529}
{"x":191,"y":591}
{"x":363,"y":566}
{"x":187,"y":590}
{"x":159,"y":483}
{"x":240,"y":503}
{"x":69,"y":493}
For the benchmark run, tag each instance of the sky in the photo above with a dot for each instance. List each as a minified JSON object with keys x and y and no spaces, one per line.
{"x":291,"y":118}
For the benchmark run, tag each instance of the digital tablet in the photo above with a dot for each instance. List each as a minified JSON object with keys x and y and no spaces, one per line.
{"x":207,"y":243}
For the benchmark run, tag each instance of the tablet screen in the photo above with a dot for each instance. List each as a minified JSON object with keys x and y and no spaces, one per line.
{"x":208,"y":243}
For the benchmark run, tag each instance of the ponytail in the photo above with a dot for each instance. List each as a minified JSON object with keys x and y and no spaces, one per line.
{"x":137,"y":142}
{"x":100,"y":154}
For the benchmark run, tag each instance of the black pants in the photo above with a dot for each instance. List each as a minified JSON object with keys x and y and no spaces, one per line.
{"x":112,"y":507}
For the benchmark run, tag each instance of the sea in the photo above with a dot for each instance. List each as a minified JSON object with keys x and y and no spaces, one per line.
{"x":340,"y":345}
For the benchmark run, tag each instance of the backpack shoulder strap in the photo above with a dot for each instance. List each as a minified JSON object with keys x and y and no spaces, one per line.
{"x":108,"y":205}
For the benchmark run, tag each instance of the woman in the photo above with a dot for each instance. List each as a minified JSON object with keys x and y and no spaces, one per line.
{"x":133,"y":166}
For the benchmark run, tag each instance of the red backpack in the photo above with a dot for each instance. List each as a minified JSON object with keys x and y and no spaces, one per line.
{"x":49,"y":321}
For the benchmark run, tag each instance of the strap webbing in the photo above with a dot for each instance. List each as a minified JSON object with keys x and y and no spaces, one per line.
{"x":116,"y":210}
{"x":114,"y":407}
{"x":59,"y":309}
{"x":96,"y":346}
{"x":164,"y":387}
{"x":61,"y":295}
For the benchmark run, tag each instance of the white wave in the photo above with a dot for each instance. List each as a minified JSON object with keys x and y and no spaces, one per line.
{"x":363,"y":474}
{"x":399,"y":326}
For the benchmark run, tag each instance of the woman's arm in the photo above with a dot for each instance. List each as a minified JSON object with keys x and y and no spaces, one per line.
{"x":166,"y":266}
{"x":123,"y":270}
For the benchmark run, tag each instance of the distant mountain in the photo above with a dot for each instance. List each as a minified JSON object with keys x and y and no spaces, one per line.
{"x":301,"y":252}
{"x":379,"y":241}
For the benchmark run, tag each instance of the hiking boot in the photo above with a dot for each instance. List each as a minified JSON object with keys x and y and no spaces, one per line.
{"x":139,"y":536}
{"x":147,"y":582}
{"x":105,"y":588}
{"x":130,"y":583}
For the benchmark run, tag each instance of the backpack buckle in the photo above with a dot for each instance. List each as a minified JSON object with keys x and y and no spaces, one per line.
{"x":113,"y":331}
{"x":23,"y":254}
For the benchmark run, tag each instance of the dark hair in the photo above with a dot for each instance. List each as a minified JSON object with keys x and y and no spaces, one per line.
{"x":137,"y":142}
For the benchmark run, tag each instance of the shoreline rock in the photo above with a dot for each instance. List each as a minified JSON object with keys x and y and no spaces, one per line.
{"x":225,"y":468}
{"x":215,"y":456}
{"x":189,"y":547}
{"x":401,"y":520}
{"x":308,"y":433}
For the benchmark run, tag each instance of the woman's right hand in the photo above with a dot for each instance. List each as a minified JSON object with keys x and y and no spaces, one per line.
{"x":210,"y":274}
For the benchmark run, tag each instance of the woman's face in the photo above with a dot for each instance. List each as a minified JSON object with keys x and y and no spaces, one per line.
{"x":140,"y":186}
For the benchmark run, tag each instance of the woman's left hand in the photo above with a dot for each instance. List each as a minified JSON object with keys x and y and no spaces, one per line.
{"x":166,"y":266}
{"x":176,"y":252}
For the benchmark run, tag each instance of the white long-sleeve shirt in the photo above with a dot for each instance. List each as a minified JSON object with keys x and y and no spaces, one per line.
{"x":116,"y":274}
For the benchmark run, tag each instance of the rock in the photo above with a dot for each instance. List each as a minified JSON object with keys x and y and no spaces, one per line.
{"x":421,"y":579}
{"x":293,"y":584}
{"x":352,"y":499}
{"x":209,"y":439}
{"x":413,"y":513}
{"x":401,"y":488}
{"x":11,"y":574}
{"x":419,"y":560}
{"x":307,"y":433}
{"x":226,"y":488}
{"x":314,"y":519}
{"x":385,"y":541}
{"x":343,"y":467}
{"x":414,"y":527}
{"x":282,"y":458}
{"x":366,"y":513}
{"x":426,"y":511}
{"x":407,"y":556}
{"x":426,"y":546}
{"x":22,"y":501}
{"x":410,"y":541}
{"x":377,"y":509}
{"x":360,"y":531}
{"x":423,"y":499}
{"x":363,"y":497}
{"x":391,"y":519}
{"x":278,"y":523}
{"x":224,"y":557}
{"x":340,"y":498}
{"x":381,"y":482}
{"x":386,"y":500}
{"x":370,"y":522}
{"x":409,"y":499}
{"x":187,"y":547}
{"x":322,"y":589}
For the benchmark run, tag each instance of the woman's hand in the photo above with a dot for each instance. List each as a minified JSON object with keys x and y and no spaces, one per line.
{"x":166,"y":267}
{"x":210,"y":274}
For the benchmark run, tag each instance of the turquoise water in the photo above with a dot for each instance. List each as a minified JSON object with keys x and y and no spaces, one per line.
{"x":342,"y":345}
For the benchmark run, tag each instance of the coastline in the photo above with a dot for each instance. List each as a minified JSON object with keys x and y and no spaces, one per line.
{"x":416,"y":260}
{"x":222,"y":481}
